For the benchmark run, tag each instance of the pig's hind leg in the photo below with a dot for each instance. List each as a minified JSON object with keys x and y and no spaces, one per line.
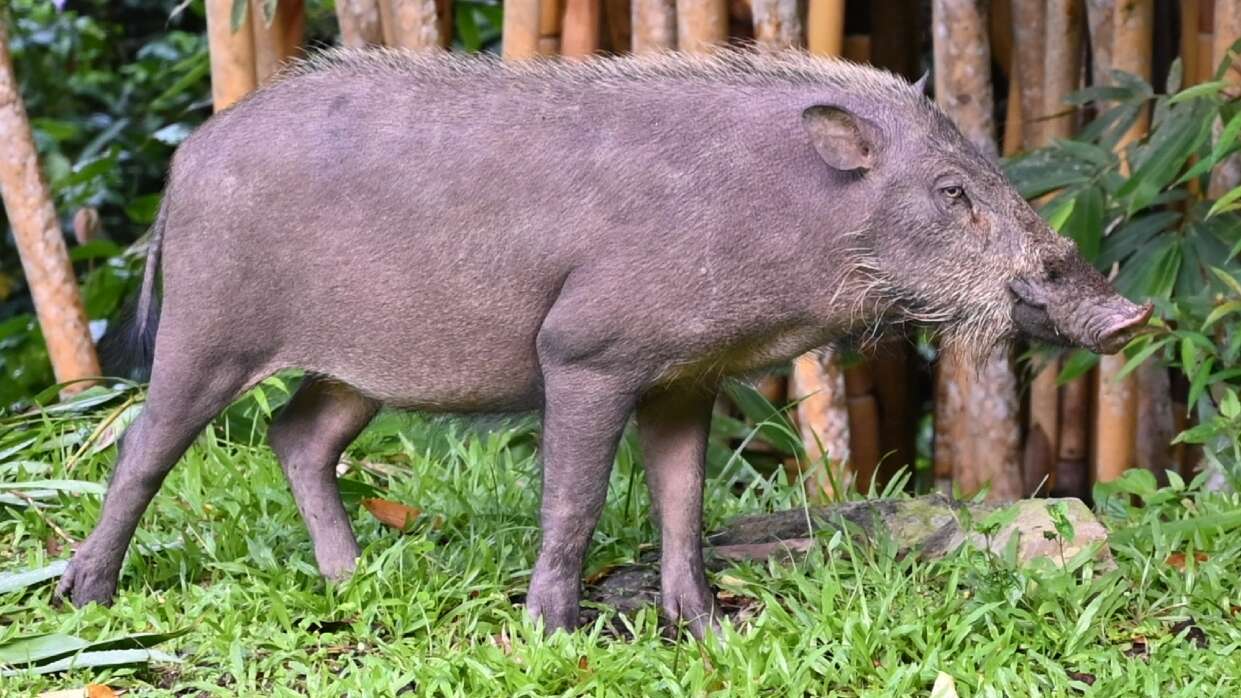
{"x":673,"y":424}
{"x":308,"y":437}
{"x":184,"y":396}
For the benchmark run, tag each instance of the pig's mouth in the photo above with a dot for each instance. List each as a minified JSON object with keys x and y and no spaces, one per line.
{"x":1103,"y":325}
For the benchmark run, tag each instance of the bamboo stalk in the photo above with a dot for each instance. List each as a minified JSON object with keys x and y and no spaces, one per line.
{"x":40,"y":241}
{"x":825,"y":27}
{"x":277,"y":40}
{"x":1156,"y":424}
{"x":777,"y":24}
{"x":823,"y":421}
{"x":416,"y":24}
{"x":1029,"y":39}
{"x":549,"y":27}
{"x":1099,"y":15}
{"x":654,"y":25}
{"x":1188,"y":42}
{"x":387,"y":20}
{"x":863,"y":425}
{"x":857,"y":48}
{"x":1043,"y":437}
{"x":232,"y":54}
{"x":1227,"y":174}
{"x":895,"y":35}
{"x":618,"y":15}
{"x":1206,"y":40}
{"x":1062,"y":66}
{"x":520,"y":38}
{"x":1115,"y":401}
{"x":984,"y":430}
{"x":359,"y":22}
{"x":579,"y":34}
{"x":897,"y":424}
{"x":702,"y":25}
{"x":1071,"y":474}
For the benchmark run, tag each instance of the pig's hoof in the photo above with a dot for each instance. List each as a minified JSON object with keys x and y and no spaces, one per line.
{"x":86,"y":580}
{"x":556,"y":605}
{"x":696,"y":610}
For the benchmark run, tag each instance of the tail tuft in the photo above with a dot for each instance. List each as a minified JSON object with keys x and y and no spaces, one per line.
{"x":127,"y":349}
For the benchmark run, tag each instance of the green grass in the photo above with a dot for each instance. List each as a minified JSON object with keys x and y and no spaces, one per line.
{"x":436,"y":610}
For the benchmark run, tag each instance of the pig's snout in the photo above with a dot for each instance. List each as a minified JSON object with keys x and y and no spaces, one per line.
{"x":1124,"y":326}
{"x":1055,"y":313}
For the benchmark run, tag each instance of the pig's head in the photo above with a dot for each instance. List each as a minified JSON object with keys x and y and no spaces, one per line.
{"x":950,"y":243}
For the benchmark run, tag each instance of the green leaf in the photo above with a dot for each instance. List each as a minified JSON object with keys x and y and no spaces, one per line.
{"x":66,"y":486}
{"x":15,"y":581}
{"x":1085,"y":226}
{"x":1225,"y":202}
{"x":37,"y":648}
{"x":1134,"y":236}
{"x":143,"y":209}
{"x":1230,"y":407}
{"x":1060,"y":213}
{"x":1142,"y":355}
{"x":1058,"y":512}
{"x":1202,"y":89}
{"x":238,"y":17}
{"x":1078,"y":364}
{"x":110,"y":658}
{"x":1228,"y":279}
{"x":1199,"y":381}
{"x":1221,"y":311}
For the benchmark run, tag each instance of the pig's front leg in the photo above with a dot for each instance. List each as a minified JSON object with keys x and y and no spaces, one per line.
{"x":672,"y":426}
{"x":584,"y":415}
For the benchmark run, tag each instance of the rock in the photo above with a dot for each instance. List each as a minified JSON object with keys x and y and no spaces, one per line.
{"x":930,"y":527}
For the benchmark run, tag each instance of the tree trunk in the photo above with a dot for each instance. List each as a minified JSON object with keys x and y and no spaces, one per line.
{"x":521,"y":29}
{"x":1188,"y":43}
{"x":359,"y":23}
{"x":654,"y":25}
{"x":277,"y":40}
{"x":984,"y":432}
{"x":1100,"y":15}
{"x":1205,"y":40}
{"x":823,"y":420}
{"x":897,"y":421}
{"x":1115,"y":402}
{"x":232,"y":54}
{"x":825,"y":27}
{"x":777,"y":24}
{"x":416,"y":24}
{"x":579,"y":37}
{"x":1227,"y":173}
{"x":701,"y":24}
{"x":40,"y":242}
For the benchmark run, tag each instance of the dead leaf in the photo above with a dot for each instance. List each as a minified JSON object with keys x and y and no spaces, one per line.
{"x":392,"y":514}
{"x":583,"y":663}
{"x":945,"y":686}
{"x":1082,"y":676}
{"x":1177,"y":559}
{"x":91,"y":690}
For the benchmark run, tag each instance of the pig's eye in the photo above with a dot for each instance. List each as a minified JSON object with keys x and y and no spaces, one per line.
{"x":953,"y":192}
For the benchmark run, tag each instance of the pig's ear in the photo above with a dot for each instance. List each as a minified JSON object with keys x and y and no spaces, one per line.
{"x":841,"y":138}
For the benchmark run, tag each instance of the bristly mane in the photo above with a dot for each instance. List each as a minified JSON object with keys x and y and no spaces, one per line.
{"x":732,"y":66}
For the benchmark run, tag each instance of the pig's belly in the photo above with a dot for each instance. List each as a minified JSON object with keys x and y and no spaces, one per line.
{"x":447,"y":366}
